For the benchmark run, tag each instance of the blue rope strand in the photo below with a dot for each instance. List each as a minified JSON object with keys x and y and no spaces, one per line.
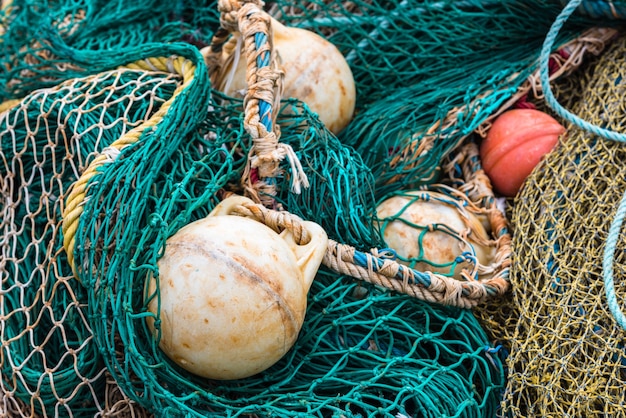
{"x":614,"y":230}
{"x":263,"y":60}
{"x":545,"y":79}
{"x":363,"y":259}
{"x":607,"y":263}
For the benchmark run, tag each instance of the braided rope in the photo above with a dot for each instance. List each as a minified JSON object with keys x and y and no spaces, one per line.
{"x":545,"y":79}
{"x":607,"y":263}
{"x":9,"y":104}
{"x":614,"y":230}
{"x":276,"y":220}
{"x":74,"y":202}
{"x":591,"y":41}
{"x":379,"y":268}
{"x":264,"y":81}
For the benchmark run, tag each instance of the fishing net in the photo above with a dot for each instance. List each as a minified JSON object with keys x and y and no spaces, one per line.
{"x":43,"y":43}
{"x":499,"y":317}
{"x":120,"y":142}
{"x":567,"y":343}
{"x":147,"y":148}
{"x":429,"y":73}
{"x":112,"y":140}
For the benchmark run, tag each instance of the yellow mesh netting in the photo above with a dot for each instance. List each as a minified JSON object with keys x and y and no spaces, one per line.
{"x":567,"y":353}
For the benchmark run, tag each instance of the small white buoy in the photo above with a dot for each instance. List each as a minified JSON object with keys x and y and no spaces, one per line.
{"x":429,"y":229}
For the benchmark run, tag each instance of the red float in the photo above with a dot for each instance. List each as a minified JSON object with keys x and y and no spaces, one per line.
{"x":515,"y":144}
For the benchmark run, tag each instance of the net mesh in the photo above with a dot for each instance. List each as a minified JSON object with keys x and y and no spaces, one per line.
{"x":47,"y":140}
{"x":567,"y":355}
{"x":43,"y":43}
{"x":428,"y":73}
{"x":55,"y":329}
{"x":110,"y":102}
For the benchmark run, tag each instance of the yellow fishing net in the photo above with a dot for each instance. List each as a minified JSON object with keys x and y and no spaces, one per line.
{"x":567,"y":351}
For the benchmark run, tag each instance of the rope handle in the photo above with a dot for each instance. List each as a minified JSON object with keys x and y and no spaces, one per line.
{"x":616,"y":224}
{"x":379,"y":267}
{"x":262,"y":99}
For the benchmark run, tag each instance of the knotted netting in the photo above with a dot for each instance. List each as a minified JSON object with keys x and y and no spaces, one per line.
{"x":567,"y":356}
{"x":384,"y":352}
{"x":429,"y":73}
{"x":112,"y":140}
{"x":147,"y":148}
{"x":43,"y":43}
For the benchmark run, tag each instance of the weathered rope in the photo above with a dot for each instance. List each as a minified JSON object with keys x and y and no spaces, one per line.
{"x":264,"y":89}
{"x":276,"y":220}
{"x":380,"y":268}
{"x":591,"y":41}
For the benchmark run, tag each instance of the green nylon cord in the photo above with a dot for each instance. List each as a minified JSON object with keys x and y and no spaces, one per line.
{"x":616,"y":224}
{"x":363,"y":351}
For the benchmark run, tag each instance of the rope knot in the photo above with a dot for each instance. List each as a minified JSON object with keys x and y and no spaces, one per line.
{"x":253,"y":34}
{"x":232,"y":11}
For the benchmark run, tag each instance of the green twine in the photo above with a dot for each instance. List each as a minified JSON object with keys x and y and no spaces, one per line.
{"x":616,"y":224}
{"x":603,"y":8}
{"x":43,"y":42}
{"x":363,"y":351}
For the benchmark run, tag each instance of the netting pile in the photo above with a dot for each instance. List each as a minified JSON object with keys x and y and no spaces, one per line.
{"x":567,"y":356}
{"x":112,"y":139}
{"x":48,"y":317}
{"x":428,"y":73}
{"x":43,"y":43}
{"x":382,"y":352}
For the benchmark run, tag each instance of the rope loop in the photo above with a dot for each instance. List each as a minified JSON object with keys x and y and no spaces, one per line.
{"x":379,"y":266}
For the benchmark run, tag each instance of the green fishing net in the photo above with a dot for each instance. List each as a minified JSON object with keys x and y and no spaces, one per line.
{"x":45,"y":42}
{"x":112,"y":140}
{"x":381,"y":352}
{"x":428,"y":73}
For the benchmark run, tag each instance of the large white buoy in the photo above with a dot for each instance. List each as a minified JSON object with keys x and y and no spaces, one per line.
{"x":315,"y":72}
{"x":232,"y":293}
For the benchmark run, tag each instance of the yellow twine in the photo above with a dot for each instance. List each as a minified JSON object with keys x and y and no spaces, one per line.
{"x":73,"y":204}
{"x":9,"y":104}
